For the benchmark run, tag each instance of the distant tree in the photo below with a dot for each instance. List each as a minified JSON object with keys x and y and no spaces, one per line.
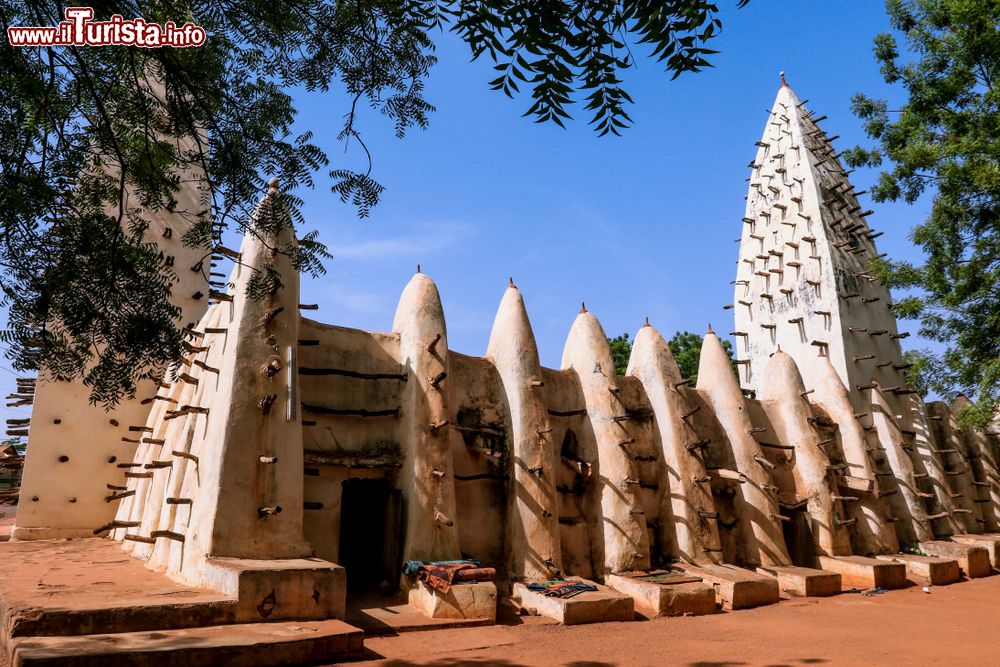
{"x":621,"y":349}
{"x":88,"y":298}
{"x":944,"y":141}
{"x":685,"y":346}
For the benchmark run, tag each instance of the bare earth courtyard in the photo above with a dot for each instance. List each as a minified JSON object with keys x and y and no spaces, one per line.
{"x":953,"y":625}
{"x":950,"y":625}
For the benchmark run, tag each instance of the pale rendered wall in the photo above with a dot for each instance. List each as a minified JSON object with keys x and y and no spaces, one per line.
{"x":577,"y":484}
{"x":481,"y":457}
{"x":332,"y":440}
{"x":67,"y":498}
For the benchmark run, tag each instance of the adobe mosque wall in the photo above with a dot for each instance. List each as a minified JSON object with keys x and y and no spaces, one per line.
{"x":75,"y":448}
{"x":291,"y":444}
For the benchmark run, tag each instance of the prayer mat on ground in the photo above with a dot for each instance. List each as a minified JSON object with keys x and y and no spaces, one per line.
{"x":561,"y":589}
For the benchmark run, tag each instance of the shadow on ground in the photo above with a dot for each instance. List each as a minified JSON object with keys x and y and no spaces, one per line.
{"x":459,"y":662}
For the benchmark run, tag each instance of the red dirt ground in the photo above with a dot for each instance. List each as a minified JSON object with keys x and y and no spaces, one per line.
{"x":953,"y":625}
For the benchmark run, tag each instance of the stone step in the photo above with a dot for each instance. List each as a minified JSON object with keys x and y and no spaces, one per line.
{"x":604,"y":604}
{"x":974,"y":560}
{"x":239,"y":645}
{"x":476,"y":600}
{"x":804,"y":581}
{"x":392,"y":617}
{"x":84,"y":617}
{"x":735,"y":587}
{"x":937,"y":571}
{"x":989,"y":541}
{"x":280,"y":589}
{"x":89,"y":586}
{"x":665,"y":594}
{"x":864,"y":572}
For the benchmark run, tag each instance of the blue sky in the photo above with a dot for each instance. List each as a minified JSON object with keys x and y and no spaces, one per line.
{"x":638,"y":225}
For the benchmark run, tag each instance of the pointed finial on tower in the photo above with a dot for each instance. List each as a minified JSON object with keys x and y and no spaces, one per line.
{"x":512,"y":281}
{"x":709,"y":329}
{"x":646,"y":323}
{"x":418,"y":268}
{"x":784,"y":83}
{"x":779,"y":349}
{"x":583,"y":307}
{"x":272,"y":185}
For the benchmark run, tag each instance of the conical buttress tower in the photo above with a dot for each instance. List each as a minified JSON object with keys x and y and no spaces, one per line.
{"x":803,"y":282}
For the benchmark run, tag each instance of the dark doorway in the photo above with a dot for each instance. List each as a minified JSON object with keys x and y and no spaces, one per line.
{"x":369,"y":534}
{"x":799,"y":536}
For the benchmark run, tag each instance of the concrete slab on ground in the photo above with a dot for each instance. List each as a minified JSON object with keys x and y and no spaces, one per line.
{"x":937,"y":571}
{"x":80,"y":587}
{"x":974,"y":560}
{"x":604,"y":604}
{"x":378,"y":616}
{"x":864,"y":572}
{"x":280,"y":589}
{"x":804,"y":581}
{"x":87,"y":602}
{"x":665,"y":593}
{"x":468,"y":600}
{"x":735,"y":587}
{"x":244,"y":644}
{"x":989,"y":541}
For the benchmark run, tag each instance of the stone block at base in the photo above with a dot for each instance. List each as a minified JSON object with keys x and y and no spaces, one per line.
{"x":736,"y":588}
{"x":653,"y":597}
{"x":937,"y":571}
{"x":280,"y":589}
{"x":804,"y":581}
{"x":864,"y":572}
{"x":472,"y":600}
{"x":19,"y":534}
{"x":989,"y":541}
{"x":974,"y":560}
{"x":604,"y":604}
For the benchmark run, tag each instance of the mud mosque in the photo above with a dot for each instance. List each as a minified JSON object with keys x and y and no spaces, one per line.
{"x":271,"y":489}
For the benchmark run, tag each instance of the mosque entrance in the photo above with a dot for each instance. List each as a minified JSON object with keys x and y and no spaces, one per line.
{"x":798,"y":536}
{"x":370,"y":525}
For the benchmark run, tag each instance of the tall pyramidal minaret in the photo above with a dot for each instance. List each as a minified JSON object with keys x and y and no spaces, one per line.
{"x":803,"y":284}
{"x":79,"y":454}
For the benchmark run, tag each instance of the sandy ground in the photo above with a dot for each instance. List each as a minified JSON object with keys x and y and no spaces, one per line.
{"x":953,"y":625}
